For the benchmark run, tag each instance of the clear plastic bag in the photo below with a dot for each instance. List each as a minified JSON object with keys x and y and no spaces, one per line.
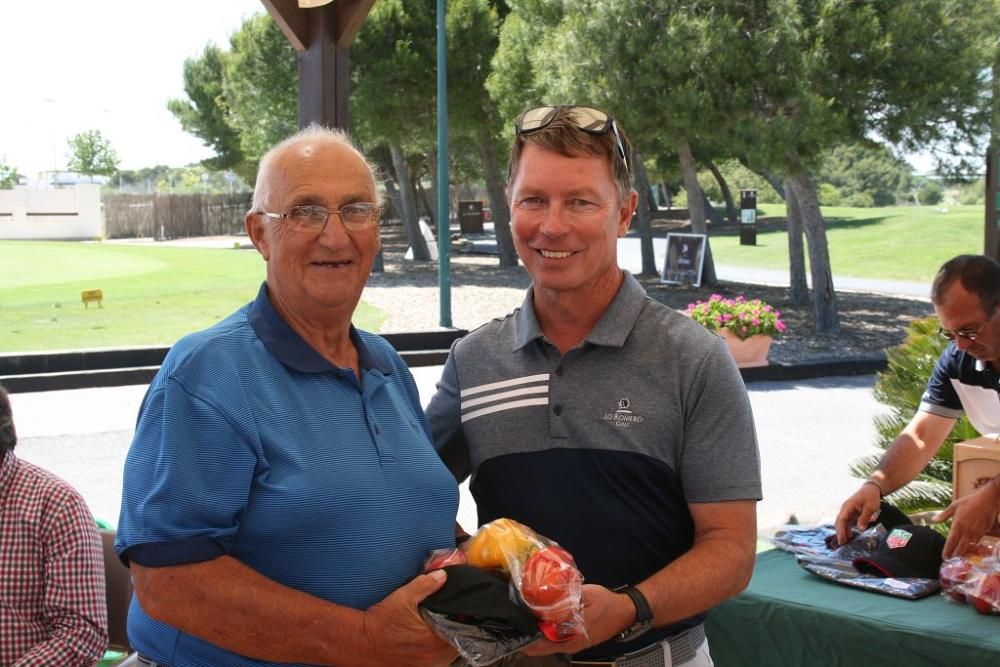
{"x":541,"y":575}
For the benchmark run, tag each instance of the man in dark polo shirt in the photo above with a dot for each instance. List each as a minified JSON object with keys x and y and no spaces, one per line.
{"x":601,"y":418}
{"x":966,"y":380}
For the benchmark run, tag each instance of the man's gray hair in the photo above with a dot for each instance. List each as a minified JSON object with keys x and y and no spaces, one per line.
{"x":314,"y":131}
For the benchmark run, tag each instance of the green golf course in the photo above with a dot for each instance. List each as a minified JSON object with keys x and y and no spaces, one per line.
{"x":155,"y":294}
{"x":152,"y":295}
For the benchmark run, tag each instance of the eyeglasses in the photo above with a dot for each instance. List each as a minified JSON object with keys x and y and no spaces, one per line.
{"x":312,"y":218}
{"x":586,"y":119}
{"x":949,"y":334}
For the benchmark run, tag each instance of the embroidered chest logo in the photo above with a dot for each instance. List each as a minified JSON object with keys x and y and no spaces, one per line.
{"x":623,"y":416}
{"x":898,"y":538}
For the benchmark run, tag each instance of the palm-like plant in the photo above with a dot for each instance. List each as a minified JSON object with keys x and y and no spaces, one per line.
{"x":900,"y":387}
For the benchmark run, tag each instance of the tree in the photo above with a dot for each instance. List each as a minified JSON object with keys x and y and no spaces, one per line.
{"x":815,"y":74}
{"x":472,"y":29}
{"x":865,"y":169}
{"x":8,"y":175}
{"x":392,"y":76}
{"x":205,"y":113}
{"x":91,"y":154}
{"x":260,"y":87}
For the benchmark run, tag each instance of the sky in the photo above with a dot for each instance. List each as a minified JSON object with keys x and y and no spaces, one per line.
{"x":110,"y":65}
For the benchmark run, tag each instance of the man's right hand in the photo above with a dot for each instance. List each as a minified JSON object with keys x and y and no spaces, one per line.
{"x":398,"y":635}
{"x":860,"y":509}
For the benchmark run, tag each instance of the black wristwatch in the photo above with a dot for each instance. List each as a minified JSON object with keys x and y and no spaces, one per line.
{"x":643,"y":614}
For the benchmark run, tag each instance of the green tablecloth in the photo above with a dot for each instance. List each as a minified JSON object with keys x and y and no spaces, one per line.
{"x":788,"y":616}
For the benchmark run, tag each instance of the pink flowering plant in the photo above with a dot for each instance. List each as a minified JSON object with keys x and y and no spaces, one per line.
{"x":743,"y":317}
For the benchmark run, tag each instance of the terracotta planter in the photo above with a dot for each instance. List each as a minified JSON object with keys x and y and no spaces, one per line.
{"x":747,"y":353}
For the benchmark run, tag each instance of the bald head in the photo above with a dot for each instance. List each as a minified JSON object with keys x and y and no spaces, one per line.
{"x":302,"y":145}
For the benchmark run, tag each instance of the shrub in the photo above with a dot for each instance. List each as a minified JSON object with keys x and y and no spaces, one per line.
{"x":859,"y":200}
{"x":930,"y":194}
{"x":829,"y":195}
{"x":743,"y":318}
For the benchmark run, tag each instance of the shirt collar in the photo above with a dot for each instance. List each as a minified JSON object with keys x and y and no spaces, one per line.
{"x":611,"y":330}
{"x":292,"y":350}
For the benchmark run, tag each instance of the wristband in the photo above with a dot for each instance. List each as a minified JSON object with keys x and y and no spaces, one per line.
{"x":876,"y":484}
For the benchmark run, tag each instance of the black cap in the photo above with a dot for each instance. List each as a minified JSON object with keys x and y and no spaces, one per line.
{"x":908,"y":551}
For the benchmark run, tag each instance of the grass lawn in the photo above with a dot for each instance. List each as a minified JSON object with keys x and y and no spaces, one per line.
{"x":152,"y":295}
{"x":893,"y":243}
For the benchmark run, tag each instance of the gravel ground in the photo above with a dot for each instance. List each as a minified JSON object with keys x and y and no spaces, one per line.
{"x":481,"y":290}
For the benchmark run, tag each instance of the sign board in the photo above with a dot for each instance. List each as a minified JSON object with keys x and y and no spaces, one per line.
{"x":470,"y":217}
{"x":748,"y":217}
{"x":89,"y":296}
{"x":685,"y":257}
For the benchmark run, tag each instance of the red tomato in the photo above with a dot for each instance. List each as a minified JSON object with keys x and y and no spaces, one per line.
{"x":954,"y":573}
{"x":551,"y":584}
{"x":986,"y":595}
{"x":440,"y":558}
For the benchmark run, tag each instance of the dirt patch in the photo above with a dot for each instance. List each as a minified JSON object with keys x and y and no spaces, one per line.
{"x":869,"y":323}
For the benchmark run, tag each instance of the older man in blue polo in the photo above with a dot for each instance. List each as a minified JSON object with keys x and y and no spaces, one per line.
{"x":282,"y":491}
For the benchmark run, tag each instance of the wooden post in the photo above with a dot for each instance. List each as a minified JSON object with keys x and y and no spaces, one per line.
{"x":322,"y":36}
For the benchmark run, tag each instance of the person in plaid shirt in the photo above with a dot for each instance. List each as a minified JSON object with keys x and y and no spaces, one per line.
{"x":52,"y":604}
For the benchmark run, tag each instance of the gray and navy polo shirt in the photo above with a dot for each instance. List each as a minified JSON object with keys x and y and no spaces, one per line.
{"x":962,"y":384}
{"x":601,"y":449}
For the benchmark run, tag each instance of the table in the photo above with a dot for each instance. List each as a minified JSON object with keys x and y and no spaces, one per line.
{"x":788,"y":616}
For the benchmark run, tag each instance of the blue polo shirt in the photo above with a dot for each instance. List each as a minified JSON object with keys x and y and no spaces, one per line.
{"x":962,"y":384}
{"x":249,"y":443}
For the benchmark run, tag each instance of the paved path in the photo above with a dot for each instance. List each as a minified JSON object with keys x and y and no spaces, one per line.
{"x":630,"y":257}
{"x":808,"y":432}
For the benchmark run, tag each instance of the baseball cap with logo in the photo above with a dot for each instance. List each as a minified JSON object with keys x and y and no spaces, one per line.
{"x":908,"y":551}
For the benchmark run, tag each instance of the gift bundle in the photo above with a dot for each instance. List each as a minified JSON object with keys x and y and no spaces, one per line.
{"x":974,"y":579}
{"x":507,"y":586}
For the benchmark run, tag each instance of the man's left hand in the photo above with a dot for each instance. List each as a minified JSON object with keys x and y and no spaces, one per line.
{"x":605,"y":614}
{"x":973,"y":515}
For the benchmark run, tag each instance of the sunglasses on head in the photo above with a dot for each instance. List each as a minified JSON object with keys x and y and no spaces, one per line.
{"x":586,"y":119}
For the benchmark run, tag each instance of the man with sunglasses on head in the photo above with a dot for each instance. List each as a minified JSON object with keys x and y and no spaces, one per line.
{"x":966,"y":380}
{"x":601,"y":418}
{"x":282,"y":491}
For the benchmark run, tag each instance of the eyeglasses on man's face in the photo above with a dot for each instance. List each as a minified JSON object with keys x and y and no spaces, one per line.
{"x":585,"y":119}
{"x":313,"y":218}
{"x":966,"y":334}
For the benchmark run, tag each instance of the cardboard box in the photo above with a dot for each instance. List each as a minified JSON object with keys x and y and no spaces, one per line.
{"x":976,"y":462}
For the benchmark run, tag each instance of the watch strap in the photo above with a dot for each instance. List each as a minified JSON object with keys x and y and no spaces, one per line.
{"x":643,"y":614}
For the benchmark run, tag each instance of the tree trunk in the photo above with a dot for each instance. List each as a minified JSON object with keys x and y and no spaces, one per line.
{"x":771,"y":179}
{"x":642,"y":213}
{"x":498,"y":197}
{"x":421,"y":194}
{"x":798,"y":288}
{"x":696,"y":208}
{"x":408,"y":212}
{"x":824,"y":298}
{"x":431,"y":202}
{"x":731,"y":214}
{"x":710,"y":212}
